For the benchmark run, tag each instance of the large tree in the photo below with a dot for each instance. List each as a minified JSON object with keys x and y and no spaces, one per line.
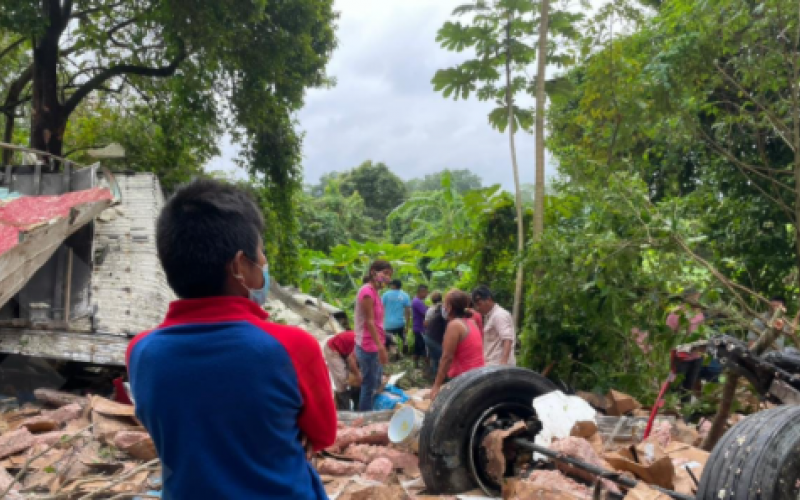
{"x":242,"y":63}
{"x":200,"y":66}
{"x":381,"y":189}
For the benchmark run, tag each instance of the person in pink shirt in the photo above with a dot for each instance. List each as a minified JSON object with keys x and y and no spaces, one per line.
{"x":370,"y":335}
{"x":462,"y":348}
{"x":688,"y":364}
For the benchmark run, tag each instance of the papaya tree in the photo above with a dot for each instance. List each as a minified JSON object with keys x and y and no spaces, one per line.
{"x":501,"y":34}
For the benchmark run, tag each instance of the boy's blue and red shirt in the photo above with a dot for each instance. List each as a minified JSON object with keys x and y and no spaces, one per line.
{"x":226,"y":396}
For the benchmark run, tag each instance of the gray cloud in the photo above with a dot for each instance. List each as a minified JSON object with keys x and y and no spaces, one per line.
{"x":384,"y":108}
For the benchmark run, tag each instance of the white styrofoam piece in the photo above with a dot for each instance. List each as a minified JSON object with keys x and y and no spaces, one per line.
{"x":559,"y":413}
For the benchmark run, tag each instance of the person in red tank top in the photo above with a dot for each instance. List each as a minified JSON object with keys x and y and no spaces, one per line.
{"x":462,"y":348}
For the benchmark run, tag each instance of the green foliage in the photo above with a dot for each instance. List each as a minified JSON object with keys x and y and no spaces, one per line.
{"x":333,"y":219}
{"x":381,"y":190}
{"x":337,"y":276}
{"x":471,"y":233}
{"x":160,"y":141}
{"x":697,"y":115}
{"x":609,"y":266}
{"x":462,"y":180}
{"x":498,"y":33}
{"x":184,"y":69}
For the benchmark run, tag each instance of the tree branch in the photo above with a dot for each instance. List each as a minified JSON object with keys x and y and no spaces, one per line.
{"x":727,"y":154}
{"x":66,"y":14}
{"x":780,"y":127}
{"x":118,"y":27}
{"x":85,"y":13}
{"x":11,"y":47}
{"x":121,"y":69}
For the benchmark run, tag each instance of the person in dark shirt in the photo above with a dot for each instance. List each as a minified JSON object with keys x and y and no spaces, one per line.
{"x":418,"y":310}
{"x":233,"y":402}
{"x":435,"y":325}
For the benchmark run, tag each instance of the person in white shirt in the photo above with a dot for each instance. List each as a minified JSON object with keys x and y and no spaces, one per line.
{"x":499,"y":337}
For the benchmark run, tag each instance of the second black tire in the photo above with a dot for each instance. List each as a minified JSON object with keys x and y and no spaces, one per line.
{"x":757,"y":459}
{"x":444,"y":439}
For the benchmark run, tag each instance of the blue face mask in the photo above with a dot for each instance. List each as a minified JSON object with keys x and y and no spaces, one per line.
{"x":445,"y":312}
{"x":259,"y":296}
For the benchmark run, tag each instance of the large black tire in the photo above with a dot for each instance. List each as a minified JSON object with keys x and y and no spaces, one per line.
{"x":444,"y":453}
{"x":757,"y":459}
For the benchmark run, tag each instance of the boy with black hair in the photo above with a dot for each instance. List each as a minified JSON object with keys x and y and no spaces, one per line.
{"x":232,"y":401}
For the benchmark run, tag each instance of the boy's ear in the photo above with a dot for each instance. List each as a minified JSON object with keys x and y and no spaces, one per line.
{"x":237,"y":264}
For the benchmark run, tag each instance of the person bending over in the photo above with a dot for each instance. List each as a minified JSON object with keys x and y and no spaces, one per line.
{"x":340,"y":354}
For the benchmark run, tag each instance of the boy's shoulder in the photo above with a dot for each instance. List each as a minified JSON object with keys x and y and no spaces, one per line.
{"x":295,"y":340}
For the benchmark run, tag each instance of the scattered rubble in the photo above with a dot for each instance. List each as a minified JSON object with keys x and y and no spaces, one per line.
{"x":79,"y":446}
{"x":76,"y":446}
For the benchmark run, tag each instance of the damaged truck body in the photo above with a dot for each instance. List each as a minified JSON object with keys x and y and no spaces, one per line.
{"x":79,"y":270}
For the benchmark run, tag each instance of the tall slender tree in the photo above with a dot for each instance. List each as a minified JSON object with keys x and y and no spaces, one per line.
{"x":498,"y":33}
{"x":538,"y":199}
{"x":502,"y":34}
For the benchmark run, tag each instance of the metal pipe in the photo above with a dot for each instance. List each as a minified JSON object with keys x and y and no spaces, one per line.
{"x":593,"y":469}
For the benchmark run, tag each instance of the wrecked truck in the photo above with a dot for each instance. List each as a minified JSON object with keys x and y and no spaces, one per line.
{"x":757,"y":459}
{"x":80,"y":276}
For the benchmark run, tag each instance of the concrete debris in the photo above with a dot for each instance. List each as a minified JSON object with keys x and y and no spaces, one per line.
{"x":379,"y":470}
{"x":137,"y":444}
{"x":334,"y":467}
{"x":362,"y":491}
{"x":662,"y":433}
{"x":400,"y":460}
{"x":377,"y":433}
{"x":49,"y":438}
{"x":65,"y":414}
{"x":582,"y":450}
{"x":15,"y":442}
{"x":58,"y":398}
{"x":545,"y":484}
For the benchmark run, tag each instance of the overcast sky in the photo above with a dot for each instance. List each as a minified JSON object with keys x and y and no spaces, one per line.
{"x":384,"y":108}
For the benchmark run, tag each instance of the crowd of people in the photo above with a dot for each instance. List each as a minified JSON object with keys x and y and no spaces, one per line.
{"x":455,"y":333}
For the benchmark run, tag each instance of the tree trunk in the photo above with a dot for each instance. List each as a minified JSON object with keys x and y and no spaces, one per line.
{"x":517,"y":191}
{"x":796,"y":147}
{"x":538,"y":203}
{"x":48,"y":119}
{"x":10,"y":109}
